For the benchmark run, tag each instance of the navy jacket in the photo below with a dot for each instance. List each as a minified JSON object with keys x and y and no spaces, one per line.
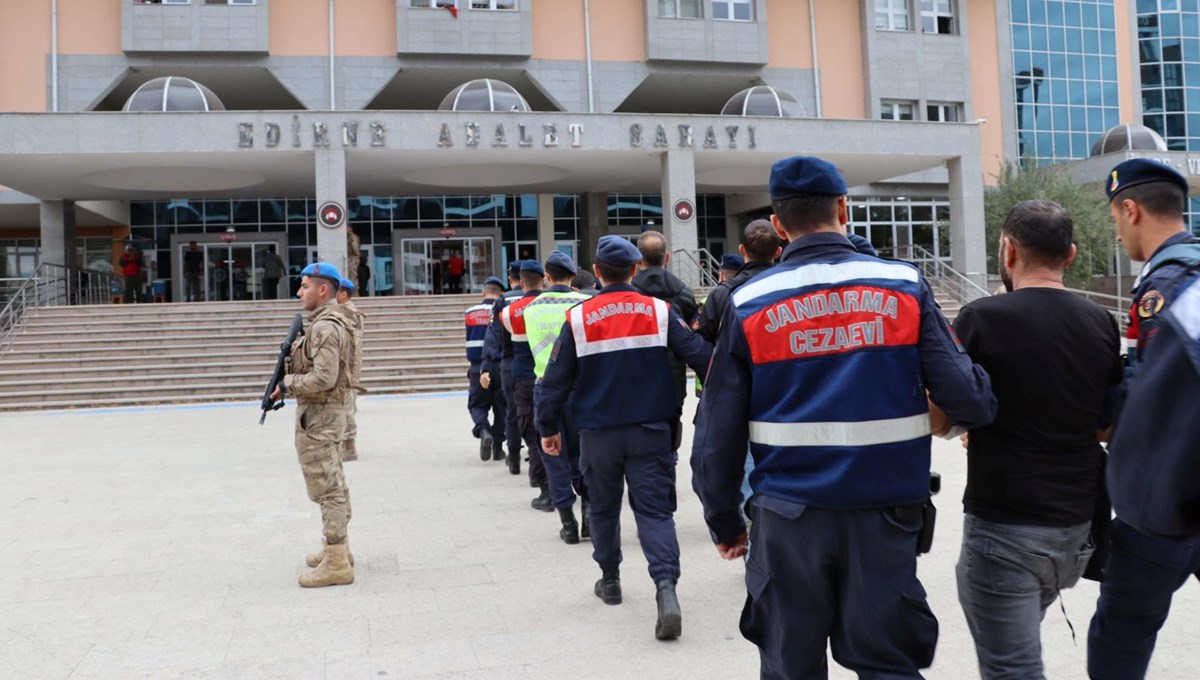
{"x":495,"y":349}
{"x":822,"y":366}
{"x":478,"y":319}
{"x":522,"y":356}
{"x":615,"y":347}
{"x":1153,"y":292}
{"x":1154,"y":462}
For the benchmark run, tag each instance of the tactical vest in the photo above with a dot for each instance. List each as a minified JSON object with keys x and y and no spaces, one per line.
{"x":544,"y":319}
{"x":513,"y":319}
{"x":838,"y":416}
{"x":621,"y":344}
{"x":303,"y":354}
{"x":478,"y":318}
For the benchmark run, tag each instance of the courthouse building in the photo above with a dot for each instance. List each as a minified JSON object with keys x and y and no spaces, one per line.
{"x":502,"y":129}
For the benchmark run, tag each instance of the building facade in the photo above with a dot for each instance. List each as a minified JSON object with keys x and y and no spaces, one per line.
{"x":602,"y":117}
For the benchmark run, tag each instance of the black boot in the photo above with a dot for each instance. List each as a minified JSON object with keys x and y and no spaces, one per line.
{"x":497,"y":450}
{"x":485,"y":446}
{"x":670,"y":618}
{"x":569,"y":532}
{"x":514,"y":461}
{"x":585,"y":530}
{"x":608,"y":588}
{"x":542,"y":502}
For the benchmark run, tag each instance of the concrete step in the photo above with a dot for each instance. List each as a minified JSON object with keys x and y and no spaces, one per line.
{"x":225,"y":321}
{"x":54,"y":371}
{"x":232,"y":331}
{"x":445,"y":303}
{"x":224,"y":344}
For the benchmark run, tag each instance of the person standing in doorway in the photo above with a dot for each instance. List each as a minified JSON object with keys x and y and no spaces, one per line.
{"x":455,"y":268}
{"x":131,"y":264}
{"x":273,"y":270}
{"x":193,"y":270}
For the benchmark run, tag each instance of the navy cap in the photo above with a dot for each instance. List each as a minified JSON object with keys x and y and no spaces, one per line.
{"x":323,"y":270}
{"x":559,"y":259}
{"x":347,"y":284}
{"x":1142,"y":171}
{"x":732,"y":262}
{"x":618,"y":252}
{"x":514,"y":268}
{"x":806,"y":176}
{"x":493,"y":279}
{"x":532,"y":267}
{"x":862,"y":245}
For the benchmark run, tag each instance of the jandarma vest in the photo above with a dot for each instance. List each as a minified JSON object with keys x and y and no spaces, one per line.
{"x":478,"y":318}
{"x":544,"y":318}
{"x":513,"y":318}
{"x":621,"y":345}
{"x":838,"y":413}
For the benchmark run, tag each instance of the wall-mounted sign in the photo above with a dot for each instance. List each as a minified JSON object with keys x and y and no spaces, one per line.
{"x":449,"y":232}
{"x":683,"y":210}
{"x":331,"y":214}
{"x":229,"y":236}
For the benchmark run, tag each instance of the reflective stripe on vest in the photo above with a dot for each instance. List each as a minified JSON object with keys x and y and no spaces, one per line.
{"x":862,"y":433}
{"x":513,"y":318}
{"x":544,"y":319}
{"x":618,"y":321}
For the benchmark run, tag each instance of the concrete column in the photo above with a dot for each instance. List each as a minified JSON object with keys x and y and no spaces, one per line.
{"x":331,"y":186}
{"x":967,"y":234}
{"x":593,"y":223}
{"x":58,"y":232}
{"x":545,"y":225}
{"x":679,"y":182}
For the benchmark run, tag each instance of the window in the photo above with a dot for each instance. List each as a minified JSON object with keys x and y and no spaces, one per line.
{"x":896,"y":110}
{"x":161,"y":2}
{"x":229,"y":2}
{"x":937,"y":16}
{"x":943,"y":113}
{"x":891,"y":15}
{"x":437,"y":4}
{"x":733,"y":10}
{"x":494,"y":4}
{"x":679,"y":9}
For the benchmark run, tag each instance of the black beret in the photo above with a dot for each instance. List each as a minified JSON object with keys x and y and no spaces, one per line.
{"x":1137,"y":171}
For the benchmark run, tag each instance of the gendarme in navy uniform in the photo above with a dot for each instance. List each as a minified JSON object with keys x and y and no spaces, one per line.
{"x":1152,"y":470}
{"x":483,"y":401}
{"x":497,"y":366}
{"x":615,"y":347}
{"x":823,"y":365}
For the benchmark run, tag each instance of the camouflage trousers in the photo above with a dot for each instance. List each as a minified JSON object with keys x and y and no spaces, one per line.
{"x":351,"y":411}
{"x":319,"y":432}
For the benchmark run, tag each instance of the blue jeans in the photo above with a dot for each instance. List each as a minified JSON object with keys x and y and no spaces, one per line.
{"x":1142,"y":575}
{"x":1008,"y":575}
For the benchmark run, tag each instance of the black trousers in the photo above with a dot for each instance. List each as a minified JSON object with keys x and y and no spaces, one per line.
{"x":846,"y":577}
{"x":486,"y":406}
{"x":523,"y":392}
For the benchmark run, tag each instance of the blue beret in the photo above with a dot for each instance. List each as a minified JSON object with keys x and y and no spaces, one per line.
{"x":514,"y":268}
{"x":347,"y":284}
{"x":862,"y":245}
{"x":805,"y":176}
{"x":732,"y":262}
{"x":323,"y":270}
{"x":1142,"y":171}
{"x":559,"y":259}
{"x":618,"y":252}
{"x":493,"y":279}
{"x":532,"y":267}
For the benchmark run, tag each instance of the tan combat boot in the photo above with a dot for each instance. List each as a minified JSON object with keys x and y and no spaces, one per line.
{"x":313,"y":559}
{"x":334,"y":570}
{"x":349,"y":452}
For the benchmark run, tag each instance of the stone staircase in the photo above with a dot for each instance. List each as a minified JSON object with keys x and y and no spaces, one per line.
{"x":85,"y":356}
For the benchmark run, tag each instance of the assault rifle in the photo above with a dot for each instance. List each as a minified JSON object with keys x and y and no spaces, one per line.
{"x":285,"y":350}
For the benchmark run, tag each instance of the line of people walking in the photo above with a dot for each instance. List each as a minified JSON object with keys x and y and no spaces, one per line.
{"x":826,"y":372}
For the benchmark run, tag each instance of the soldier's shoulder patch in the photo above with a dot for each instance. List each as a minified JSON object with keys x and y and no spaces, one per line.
{"x":1150,"y":303}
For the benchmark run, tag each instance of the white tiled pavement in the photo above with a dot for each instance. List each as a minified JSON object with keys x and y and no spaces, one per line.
{"x":166,"y":542}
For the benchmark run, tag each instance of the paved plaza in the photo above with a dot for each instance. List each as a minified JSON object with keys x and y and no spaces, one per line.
{"x":166,"y":542}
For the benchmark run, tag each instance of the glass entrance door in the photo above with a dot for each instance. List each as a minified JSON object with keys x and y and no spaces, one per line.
{"x":438,"y":266}
{"x":232,"y":271}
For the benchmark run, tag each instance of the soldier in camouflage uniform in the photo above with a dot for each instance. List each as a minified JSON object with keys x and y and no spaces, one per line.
{"x":319,"y":378}
{"x":345,"y":293}
{"x":353,"y":255}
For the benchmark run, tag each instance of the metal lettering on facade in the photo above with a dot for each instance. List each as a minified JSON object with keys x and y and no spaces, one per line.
{"x":639,"y":136}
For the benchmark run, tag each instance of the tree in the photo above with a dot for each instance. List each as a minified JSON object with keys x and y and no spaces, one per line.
{"x":1095,"y":235}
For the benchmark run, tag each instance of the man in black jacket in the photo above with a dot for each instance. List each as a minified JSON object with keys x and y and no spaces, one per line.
{"x":654,"y":280}
{"x":760,"y":248}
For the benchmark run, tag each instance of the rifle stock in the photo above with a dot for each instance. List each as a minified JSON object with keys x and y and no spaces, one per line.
{"x":285,"y":349}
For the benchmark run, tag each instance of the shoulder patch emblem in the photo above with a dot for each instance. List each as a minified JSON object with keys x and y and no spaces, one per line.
{"x":1150,"y":303}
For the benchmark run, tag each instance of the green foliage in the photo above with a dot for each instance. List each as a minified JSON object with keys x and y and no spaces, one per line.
{"x":1095,"y":235}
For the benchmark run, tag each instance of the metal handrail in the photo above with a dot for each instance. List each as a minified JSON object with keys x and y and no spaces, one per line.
{"x":950,"y":281}
{"x":52,"y":285}
{"x":705,"y":274}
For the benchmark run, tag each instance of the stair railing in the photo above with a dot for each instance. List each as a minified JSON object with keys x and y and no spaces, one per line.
{"x":51,"y":285}
{"x":944,"y":277}
{"x":700,"y":261}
